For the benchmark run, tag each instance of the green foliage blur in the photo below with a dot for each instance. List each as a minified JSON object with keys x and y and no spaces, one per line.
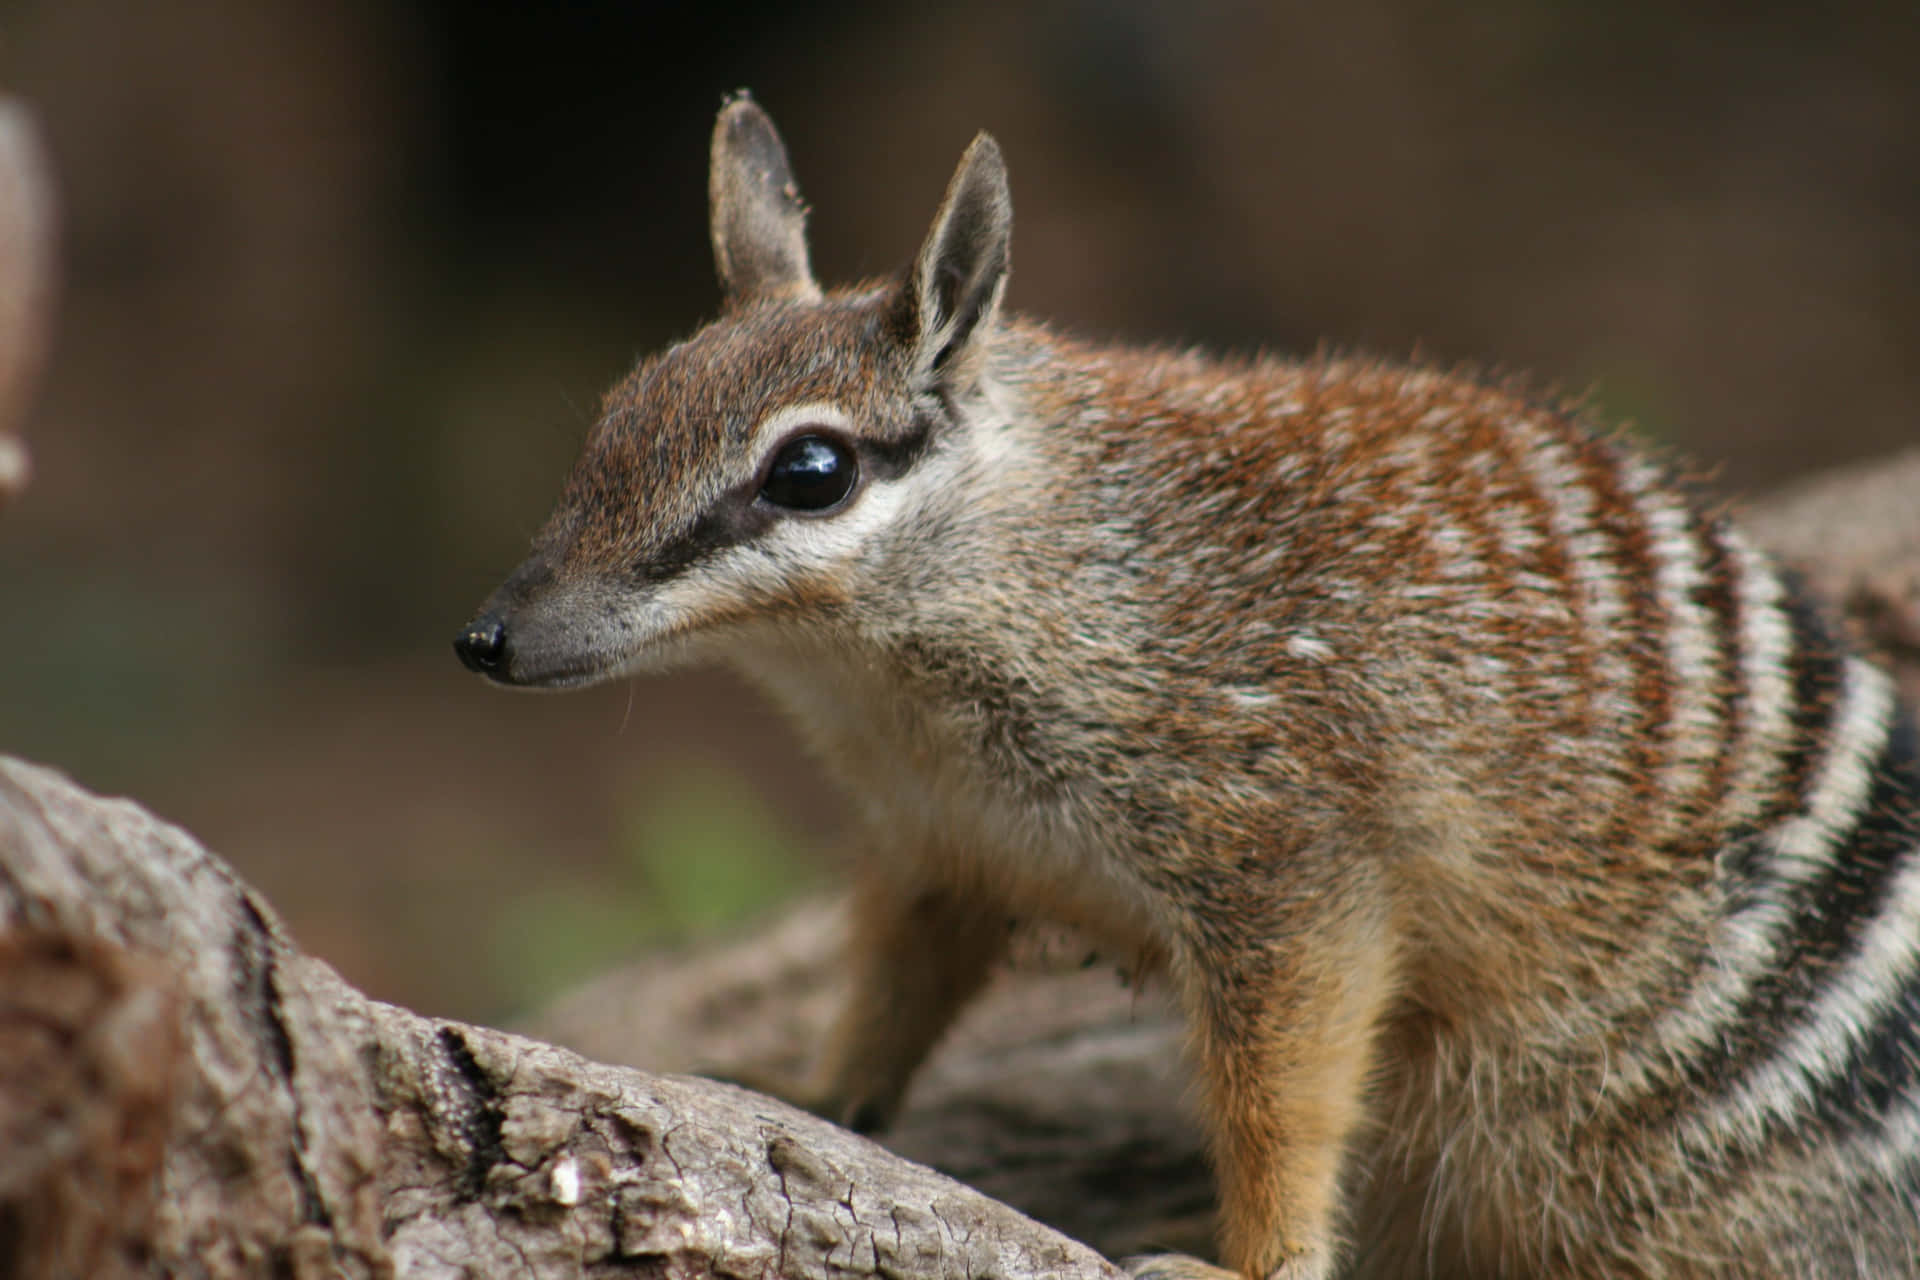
{"x":696,"y":854}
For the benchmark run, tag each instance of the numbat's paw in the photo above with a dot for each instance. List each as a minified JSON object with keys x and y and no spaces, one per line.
{"x":1313,"y":1266}
{"x":1178,"y":1266}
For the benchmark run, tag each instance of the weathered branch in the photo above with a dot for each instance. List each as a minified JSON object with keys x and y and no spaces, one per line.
{"x":183,"y":1092}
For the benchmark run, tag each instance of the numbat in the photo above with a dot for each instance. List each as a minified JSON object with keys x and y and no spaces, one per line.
{"x":1538,"y":870}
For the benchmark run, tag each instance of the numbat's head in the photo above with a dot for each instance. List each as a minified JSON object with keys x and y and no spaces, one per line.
{"x":775,"y":465}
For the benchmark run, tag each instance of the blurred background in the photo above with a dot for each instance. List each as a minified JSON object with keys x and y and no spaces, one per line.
{"x":345,"y":280}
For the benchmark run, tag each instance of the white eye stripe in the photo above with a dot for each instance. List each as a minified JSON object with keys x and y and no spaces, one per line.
{"x":782,"y":423}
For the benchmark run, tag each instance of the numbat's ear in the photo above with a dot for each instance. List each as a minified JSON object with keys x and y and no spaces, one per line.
{"x":759,"y":220}
{"x":953,"y":299}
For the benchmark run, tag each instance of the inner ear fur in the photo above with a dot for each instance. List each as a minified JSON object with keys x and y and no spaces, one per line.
{"x":952,"y":300}
{"x":759,"y":220}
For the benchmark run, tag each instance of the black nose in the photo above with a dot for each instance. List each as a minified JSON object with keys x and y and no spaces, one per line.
{"x":483,"y":645}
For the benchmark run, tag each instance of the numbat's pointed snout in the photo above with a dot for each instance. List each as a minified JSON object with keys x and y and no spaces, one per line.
{"x":483,"y":645}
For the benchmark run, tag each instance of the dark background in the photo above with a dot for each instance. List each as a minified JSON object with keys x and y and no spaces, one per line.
{"x":344,"y":282}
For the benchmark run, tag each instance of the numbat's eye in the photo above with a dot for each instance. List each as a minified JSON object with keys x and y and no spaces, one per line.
{"x":811,"y":473}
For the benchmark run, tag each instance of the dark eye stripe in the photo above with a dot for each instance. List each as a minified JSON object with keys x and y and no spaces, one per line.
{"x":895,"y":457}
{"x":740,"y":516}
{"x":735,"y":520}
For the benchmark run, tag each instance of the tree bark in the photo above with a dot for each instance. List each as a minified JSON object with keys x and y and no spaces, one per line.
{"x":183,"y":1093}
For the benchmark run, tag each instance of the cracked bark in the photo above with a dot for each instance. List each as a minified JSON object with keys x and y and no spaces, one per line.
{"x":183,"y":1092}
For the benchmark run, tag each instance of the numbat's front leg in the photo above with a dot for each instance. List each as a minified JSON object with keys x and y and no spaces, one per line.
{"x":1284,"y":1036}
{"x":917,"y":955}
